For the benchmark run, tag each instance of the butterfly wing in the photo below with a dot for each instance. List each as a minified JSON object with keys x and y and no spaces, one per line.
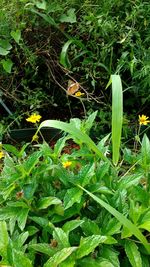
{"x":73,"y":87}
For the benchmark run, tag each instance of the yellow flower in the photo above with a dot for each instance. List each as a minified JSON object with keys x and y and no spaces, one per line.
{"x":34,"y":118}
{"x":1,"y":154}
{"x":35,"y":138}
{"x":143,"y":120}
{"x":78,"y":94}
{"x":66,"y":164}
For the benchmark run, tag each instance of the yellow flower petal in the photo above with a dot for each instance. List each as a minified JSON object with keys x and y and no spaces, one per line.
{"x":34,"y":118}
{"x":143,"y":120}
{"x":1,"y":154}
{"x":78,"y":94}
{"x":66,"y":164}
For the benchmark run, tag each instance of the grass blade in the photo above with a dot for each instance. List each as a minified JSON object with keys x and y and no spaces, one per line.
{"x":67,"y":127}
{"x":117,"y":116}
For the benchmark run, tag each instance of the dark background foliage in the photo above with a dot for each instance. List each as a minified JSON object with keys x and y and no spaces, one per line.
{"x":106,"y":37}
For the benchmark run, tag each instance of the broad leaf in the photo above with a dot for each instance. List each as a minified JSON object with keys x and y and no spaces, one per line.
{"x":22,"y":218}
{"x":45,"y":202}
{"x":112,"y":227}
{"x":59,"y":257}
{"x":89,"y":262}
{"x":20,"y":260}
{"x":88,"y":244}
{"x":133,"y":254}
{"x":7,"y":65}
{"x":16,"y":35}
{"x":61,"y":237}
{"x":70,"y":17}
{"x":111,"y":255}
{"x":32,"y":160}
{"x":43,"y":248}
{"x":4,"y":239}
{"x":71,"y":225}
{"x":3,"y":51}
{"x":90,"y":227}
{"x":72,"y":196}
{"x":41,"y":4}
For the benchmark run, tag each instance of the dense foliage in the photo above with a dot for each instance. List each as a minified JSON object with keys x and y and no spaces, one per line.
{"x":82,"y":197}
{"x":45,"y":43}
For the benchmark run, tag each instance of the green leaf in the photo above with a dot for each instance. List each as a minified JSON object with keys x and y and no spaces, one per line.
{"x":7,"y":65}
{"x":16,"y":35}
{"x":32,"y":161}
{"x":129,"y":180}
{"x":12,"y":149}
{"x":7,"y":191}
{"x":21,"y":240}
{"x":126,"y":232}
{"x":121,"y":218}
{"x":43,"y":248}
{"x":111,"y":255}
{"x":133,"y":254}
{"x":5,"y":44}
{"x":61,"y":237}
{"x":70,"y":17}
{"x":145,"y":261}
{"x":47,"y":18}
{"x":41,"y":221}
{"x":32,"y":230}
{"x":64,"y":54}
{"x":8,"y":212}
{"x":22,"y":218}
{"x":41,"y":4}
{"x":45,"y":202}
{"x":71,"y":225}
{"x":89,"y":262}
{"x":110,"y":240}
{"x":67,"y":127}
{"x":90,"y":120}
{"x":117,"y":116}
{"x":88,"y":244}
{"x":72,"y":196}
{"x":59,"y":146}
{"x":145,"y":225}
{"x":59,"y":257}
{"x":112,"y":227}
{"x":4,"y":239}
{"x":90,"y":227}
{"x":3,"y":51}
{"x":20,"y":260}
{"x":145,"y":151}
{"x":69,"y":262}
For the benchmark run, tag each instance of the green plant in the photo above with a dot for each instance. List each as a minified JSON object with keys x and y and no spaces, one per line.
{"x":75,"y":209}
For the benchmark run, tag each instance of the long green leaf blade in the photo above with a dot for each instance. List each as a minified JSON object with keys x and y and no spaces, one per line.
{"x":67,"y":127}
{"x":121,"y":218}
{"x":64,"y":54}
{"x":117,"y":116}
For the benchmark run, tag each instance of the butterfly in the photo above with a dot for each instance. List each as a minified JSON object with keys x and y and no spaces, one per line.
{"x":73,"y":87}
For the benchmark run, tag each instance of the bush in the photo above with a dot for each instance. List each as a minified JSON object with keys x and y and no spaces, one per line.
{"x":76,"y":207}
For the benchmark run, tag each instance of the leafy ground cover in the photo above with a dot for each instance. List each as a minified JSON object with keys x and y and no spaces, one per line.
{"x":84,"y":199}
{"x":88,"y":207}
